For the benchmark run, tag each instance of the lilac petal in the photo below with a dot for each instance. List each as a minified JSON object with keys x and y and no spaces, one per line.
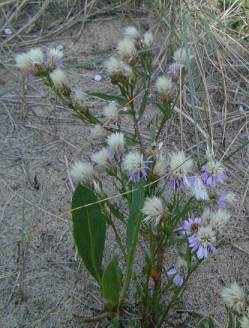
{"x":178,"y":280}
{"x":171,"y":272}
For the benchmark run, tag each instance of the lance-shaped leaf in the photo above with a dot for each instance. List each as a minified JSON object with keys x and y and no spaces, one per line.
{"x":89,"y":228}
{"x":111,"y":282}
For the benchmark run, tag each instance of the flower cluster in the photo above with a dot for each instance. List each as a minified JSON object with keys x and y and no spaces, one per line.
{"x":35,"y":61}
{"x":121,"y":67}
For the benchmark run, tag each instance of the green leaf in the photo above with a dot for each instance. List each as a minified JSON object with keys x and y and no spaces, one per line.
{"x":121,"y":101}
{"x":137,"y":202}
{"x":111,"y":282}
{"x":89,"y":228}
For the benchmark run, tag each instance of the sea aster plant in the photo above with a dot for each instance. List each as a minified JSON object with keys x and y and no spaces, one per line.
{"x":180,"y":166}
{"x":203,"y":242}
{"x":135,"y":166}
{"x":212,"y":173}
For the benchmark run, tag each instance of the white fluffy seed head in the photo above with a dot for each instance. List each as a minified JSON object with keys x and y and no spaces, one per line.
{"x":132,"y":32}
{"x":116,"y":66}
{"x":179,"y":164}
{"x":79,"y":97}
{"x":133,"y":161}
{"x":219,"y":218}
{"x":165,"y":87}
{"x":160,"y":167}
{"x":153,"y":210}
{"x":54,"y":55}
{"x":206,"y":216}
{"x":198,"y":189}
{"x":244,"y":321}
{"x":100,"y":157}
{"x":148,"y":39}
{"x":111,"y":111}
{"x":36,"y":56}
{"x":234,"y":297}
{"x":59,"y":77}
{"x":126,"y":49}
{"x":206,"y":235}
{"x":180,"y":56}
{"x":97,"y":131}
{"x":23,"y":62}
{"x":230,"y":198}
{"x":116,"y":140}
{"x":81,"y":171}
{"x":214,"y":167}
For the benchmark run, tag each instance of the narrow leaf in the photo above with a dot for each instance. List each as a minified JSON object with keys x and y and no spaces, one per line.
{"x":88,"y":230}
{"x":121,"y":101}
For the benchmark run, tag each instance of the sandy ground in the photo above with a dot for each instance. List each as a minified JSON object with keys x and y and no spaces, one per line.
{"x":41,"y":281}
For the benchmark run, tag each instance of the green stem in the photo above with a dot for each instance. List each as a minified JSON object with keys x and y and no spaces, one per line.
{"x":130,"y":261}
{"x":175,"y":298}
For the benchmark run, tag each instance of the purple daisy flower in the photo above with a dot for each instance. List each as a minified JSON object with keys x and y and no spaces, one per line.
{"x":54,"y":58}
{"x":135,"y":166}
{"x":175,"y":183}
{"x":191,"y":225}
{"x":179,"y":272}
{"x":225,"y":199}
{"x":203,"y":242}
{"x":213,"y":173}
{"x":173,"y":71}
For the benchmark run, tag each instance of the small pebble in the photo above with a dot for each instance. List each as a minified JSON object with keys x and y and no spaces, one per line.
{"x":241,"y":108}
{"x":97,"y":78}
{"x":7,"y":31}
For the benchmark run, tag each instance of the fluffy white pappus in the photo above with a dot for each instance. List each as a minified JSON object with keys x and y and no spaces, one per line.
{"x":54,"y":55}
{"x":230,"y":198}
{"x":111,"y":111}
{"x":214,"y":167}
{"x":165,"y":87}
{"x":206,"y":216}
{"x":197,"y":187}
{"x":244,"y":321}
{"x":153,"y":210}
{"x":179,"y":164}
{"x":36,"y":56}
{"x":131,"y":32}
{"x":59,"y":77}
{"x":206,"y":235}
{"x":81,"y":171}
{"x":133,"y":161}
{"x":100,"y":157}
{"x":148,"y":39}
{"x":116,"y":140}
{"x":23,"y":62}
{"x":219,"y":218}
{"x":79,"y":97}
{"x":116,"y":66}
{"x":180,"y":56}
{"x":234,"y":297}
{"x":126,"y":49}
{"x":160,"y":167}
{"x":97,"y":131}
